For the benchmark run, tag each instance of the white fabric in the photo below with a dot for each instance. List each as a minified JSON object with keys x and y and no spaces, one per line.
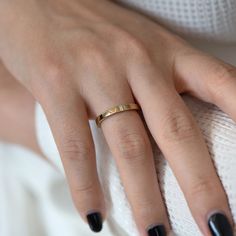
{"x":35,"y":199}
{"x":209,"y":20}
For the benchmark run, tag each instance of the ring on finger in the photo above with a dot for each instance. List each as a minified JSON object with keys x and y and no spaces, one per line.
{"x":114,"y":110}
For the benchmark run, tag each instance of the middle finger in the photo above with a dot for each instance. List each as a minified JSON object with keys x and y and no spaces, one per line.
{"x":181,"y":142}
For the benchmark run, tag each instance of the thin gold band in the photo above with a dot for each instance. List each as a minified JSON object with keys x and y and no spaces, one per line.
{"x":114,"y":110}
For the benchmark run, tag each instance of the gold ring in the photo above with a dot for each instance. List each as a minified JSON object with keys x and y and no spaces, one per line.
{"x":114,"y":110}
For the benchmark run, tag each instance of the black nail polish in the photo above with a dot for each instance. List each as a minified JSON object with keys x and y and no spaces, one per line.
{"x":158,"y":230}
{"x":95,"y":221}
{"x":219,"y":225}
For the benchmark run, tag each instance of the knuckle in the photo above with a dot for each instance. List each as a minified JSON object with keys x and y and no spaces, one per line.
{"x":145,"y":209}
{"x":54,"y":73}
{"x":202,"y":186}
{"x":132,"y":45}
{"x":222,"y":76}
{"x":83,"y":189}
{"x":93,"y":54}
{"x":135,"y":44}
{"x":50,"y":79}
{"x":132,"y":146}
{"x":177,"y":126}
{"x":76,"y":150}
{"x":53,"y":69}
{"x":80,"y":194}
{"x":139,"y":50}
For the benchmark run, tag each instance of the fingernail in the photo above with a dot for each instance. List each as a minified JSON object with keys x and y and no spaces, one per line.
{"x":219,"y":225}
{"x":95,"y":221}
{"x":158,"y":230}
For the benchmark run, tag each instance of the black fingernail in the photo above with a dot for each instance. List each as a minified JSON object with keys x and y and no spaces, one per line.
{"x":158,"y":230}
{"x":219,"y":225}
{"x":95,"y":221}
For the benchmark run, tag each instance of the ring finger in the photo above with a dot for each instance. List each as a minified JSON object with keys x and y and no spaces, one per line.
{"x":129,"y":142}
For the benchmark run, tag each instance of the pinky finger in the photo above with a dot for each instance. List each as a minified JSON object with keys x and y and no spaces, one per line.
{"x":68,"y":120}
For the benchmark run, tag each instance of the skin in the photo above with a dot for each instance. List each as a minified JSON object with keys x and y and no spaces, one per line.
{"x":78,"y":58}
{"x":16,"y":112}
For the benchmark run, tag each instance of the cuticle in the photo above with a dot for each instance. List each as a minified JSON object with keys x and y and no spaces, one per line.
{"x":154,"y":225}
{"x":93,"y":211}
{"x":212,"y":212}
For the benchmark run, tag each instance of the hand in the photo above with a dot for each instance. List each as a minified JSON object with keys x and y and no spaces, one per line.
{"x":79,"y":58}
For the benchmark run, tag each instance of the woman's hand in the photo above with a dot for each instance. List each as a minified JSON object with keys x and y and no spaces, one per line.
{"x":81,"y":57}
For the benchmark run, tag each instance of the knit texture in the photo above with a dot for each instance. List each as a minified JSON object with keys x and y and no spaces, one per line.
{"x":211,"y":20}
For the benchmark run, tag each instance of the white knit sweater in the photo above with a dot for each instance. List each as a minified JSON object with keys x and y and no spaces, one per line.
{"x":44,"y":191}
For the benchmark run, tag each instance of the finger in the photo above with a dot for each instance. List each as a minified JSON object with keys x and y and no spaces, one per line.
{"x":128,"y":141}
{"x":213,"y":81}
{"x":69,"y":123}
{"x":181,"y":142}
